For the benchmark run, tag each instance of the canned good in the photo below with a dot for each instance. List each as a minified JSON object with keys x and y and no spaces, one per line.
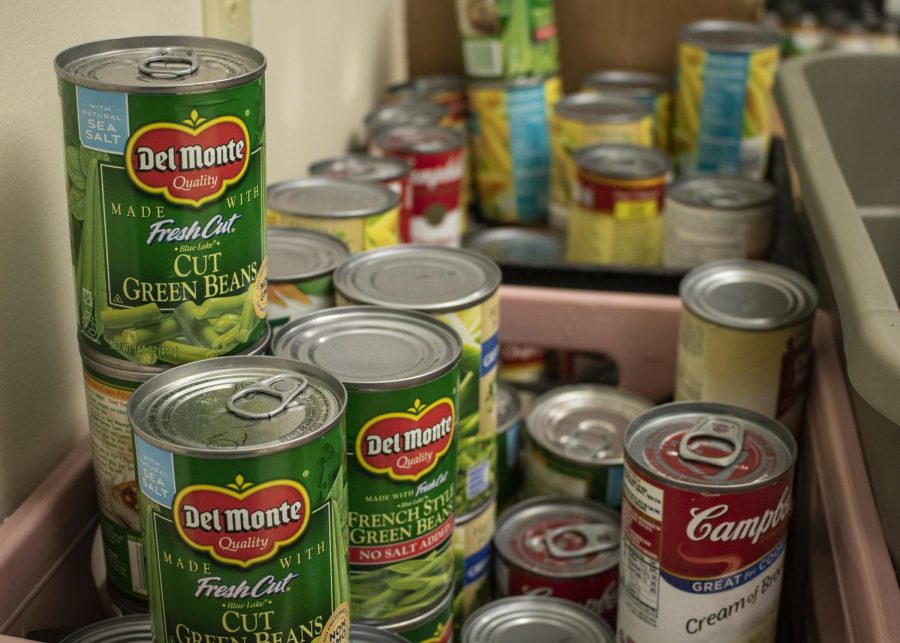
{"x":745,"y":337}
{"x":709,"y":218}
{"x":438,"y":160}
{"x":243,"y":498}
{"x":448,"y":91}
{"x":401,"y":369}
{"x":362,"y":215}
{"x":162,"y":134}
{"x":508,"y":39}
{"x":434,"y":625}
{"x":723,"y":111}
{"x":509,"y":423}
{"x":123,"y":629}
{"x":412,"y":113}
{"x":535,"y":619}
{"x":585,"y":119}
{"x":617,"y":214}
{"x":653,"y":90}
{"x":516,"y":245}
{"x":108,"y":385}
{"x":458,"y":287}
{"x":511,"y":146}
{"x":122,"y":604}
{"x":360,"y":633}
{"x":472,"y":548}
{"x":575,"y":441}
{"x":522,"y":364}
{"x":562,"y":547}
{"x":704,"y":524}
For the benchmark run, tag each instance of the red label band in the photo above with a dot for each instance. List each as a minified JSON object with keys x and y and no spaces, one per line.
{"x":435,"y":183}
{"x":394,"y":553}
{"x":596,"y":194}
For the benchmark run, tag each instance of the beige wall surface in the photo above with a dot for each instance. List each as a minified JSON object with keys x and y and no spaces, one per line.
{"x":328,"y":60}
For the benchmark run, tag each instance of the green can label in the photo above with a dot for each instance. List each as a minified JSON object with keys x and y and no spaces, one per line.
{"x":547,"y":474}
{"x":439,"y":628}
{"x":402,"y":464}
{"x":167,"y":220}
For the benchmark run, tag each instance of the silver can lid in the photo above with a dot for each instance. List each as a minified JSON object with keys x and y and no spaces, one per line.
{"x":722,"y":192}
{"x":704,"y":445}
{"x":535,"y":619}
{"x":330,"y":198}
{"x":296,"y":254}
{"x":559,"y":537}
{"x":748,"y":295}
{"x":123,"y":629}
{"x":361,"y":167}
{"x":508,"y":83}
{"x":430,"y":279}
{"x":235,"y":407}
{"x":509,"y":407}
{"x":588,"y":107}
{"x":419,"y":140}
{"x":406,"y":623}
{"x":626,"y":82}
{"x":360,"y":633}
{"x":620,"y":161}
{"x":371,"y":348}
{"x":160,"y":64}
{"x":728,"y":35}
{"x":412,"y":113}
{"x":427,"y":85}
{"x":584,"y":423}
{"x":516,"y":245}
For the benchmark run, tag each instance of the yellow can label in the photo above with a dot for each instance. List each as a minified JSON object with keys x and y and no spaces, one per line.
{"x":472,"y":553}
{"x":359,"y":233}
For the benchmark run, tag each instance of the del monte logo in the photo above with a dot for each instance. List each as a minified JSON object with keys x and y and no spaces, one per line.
{"x":242,"y":523}
{"x":407,"y":445}
{"x":191,"y":162}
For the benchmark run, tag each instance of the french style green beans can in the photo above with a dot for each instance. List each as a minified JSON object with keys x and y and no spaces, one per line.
{"x":243,"y":498}
{"x":458,"y":287}
{"x":164,"y":146}
{"x":401,"y":369}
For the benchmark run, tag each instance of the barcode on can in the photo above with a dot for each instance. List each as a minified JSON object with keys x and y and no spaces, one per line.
{"x":137,"y":566}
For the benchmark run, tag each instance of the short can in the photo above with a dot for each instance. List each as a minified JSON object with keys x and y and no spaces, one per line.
{"x":617,"y":215}
{"x":402,"y":114}
{"x":472,"y":545}
{"x":108,"y":385}
{"x":536,"y":619}
{"x":510,"y":126}
{"x":460,"y":288}
{"x":562,"y":547}
{"x":723,"y":102}
{"x":509,"y":443}
{"x":401,"y":369}
{"x":653,"y":90}
{"x":243,"y":497}
{"x":511,"y":244}
{"x":301,"y":263}
{"x":584,"y":119}
{"x":361,"y":633}
{"x":508,"y":39}
{"x":445,"y":90}
{"x":362,"y":215}
{"x":575,"y":441}
{"x":437,"y":156}
{"x":122,"y":629}
{"x":164,"y":146}
{"x":704,"y":524}
{"x":432,"y":625}
{"x":711,"y":218}
{"x":745,"y":337}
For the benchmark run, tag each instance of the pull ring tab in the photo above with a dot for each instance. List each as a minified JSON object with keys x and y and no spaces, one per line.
{"x":597,"y":538}
{"x":170,"y":62}
{"x":717,"y":429}
{"x":282,"y":387}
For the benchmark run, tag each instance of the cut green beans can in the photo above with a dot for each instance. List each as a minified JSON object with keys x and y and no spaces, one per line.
{"x":164,"y":146}
{"x":458,"y":287}
{"x":243,"y":499}
{"x":402,"y":372}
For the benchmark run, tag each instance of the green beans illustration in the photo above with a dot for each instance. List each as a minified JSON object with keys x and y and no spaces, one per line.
{"x":225,"y":323}
{"x":130,"y":317}
{"x":166,"y":329}
{"x":218,"y":306}
{"x":248,"y":316}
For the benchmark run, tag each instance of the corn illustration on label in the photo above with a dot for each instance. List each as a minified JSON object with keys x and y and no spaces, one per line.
{"x":359,"y":233}
{"x":661,"y":108}
{"x":290,"y":300}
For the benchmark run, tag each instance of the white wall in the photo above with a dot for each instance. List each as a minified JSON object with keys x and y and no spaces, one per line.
{"x":327,"y":62}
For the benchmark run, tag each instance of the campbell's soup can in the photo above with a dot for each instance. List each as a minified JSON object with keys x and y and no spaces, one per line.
{"x":562,"y":547}
{"x":745,"y":338}
{"x":704,"y":524}
{"x":437,"y":156}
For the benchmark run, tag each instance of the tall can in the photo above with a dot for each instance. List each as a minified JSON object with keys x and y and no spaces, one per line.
{"x":704,"y":524}
{"x":473,"y":549}
{"x":745,"y":338}
{"x":459,"y":288}
{"x":362,"y":215}
{"x":510,"y":126}
{"x":437,"y":156}
{"x":509,"y":443}
{"x":723,"y":102}
{"x":402,"y":372}
{"x":617,"y":216}
{"x":243,"y":497}
{"x":508,"y":38}
{"x":164,"y":140}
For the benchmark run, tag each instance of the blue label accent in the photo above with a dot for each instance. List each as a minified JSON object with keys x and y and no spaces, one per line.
{"x":725,"y":78}
{"x":614,"y":483}
{"x":102,"y":120}
{"x":477,"y":565}
{"x":529,"y":143}
{"x":155,"y":472}
{"x":477,"y":479}
{"x":512,"y":445}
{"x":725,"y":583}
{"x":490,"y":354}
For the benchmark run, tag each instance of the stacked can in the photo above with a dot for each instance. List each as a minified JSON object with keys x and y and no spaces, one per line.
{"x":509,"y":444}
{"x":405,"y":114}
{"x":473,"y":551}
{"x":536,"y":619}
{"x":516,"y":245}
